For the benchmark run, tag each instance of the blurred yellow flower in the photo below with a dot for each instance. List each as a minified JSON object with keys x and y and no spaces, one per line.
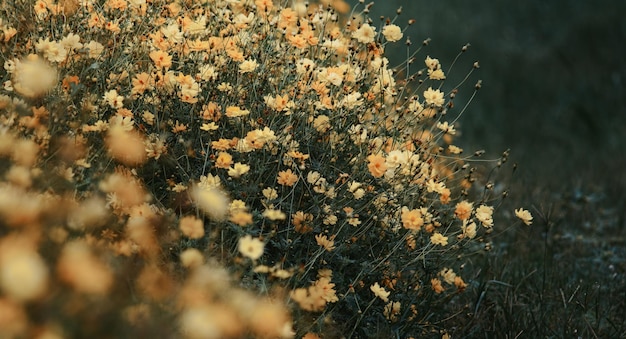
{"x":524,"y":216}
{"x":439,"y":239}
{"x":251,"y":247}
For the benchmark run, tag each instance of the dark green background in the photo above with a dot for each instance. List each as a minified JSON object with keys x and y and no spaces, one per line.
{"x":553,"y":81}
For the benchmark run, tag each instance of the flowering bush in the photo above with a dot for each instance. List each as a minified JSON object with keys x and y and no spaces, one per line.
{"x":145,"y":144}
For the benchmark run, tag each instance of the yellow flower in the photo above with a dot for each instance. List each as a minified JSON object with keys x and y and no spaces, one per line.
{"x":436,"y":285}
{"x":469,"y":230}
{"x":448,"y":275}
{"x":235,"y":111}
{"x":33,"y":77}
{"x":365,"y":34}
{"x":238,"y":170}
{"x":392,"y":32}
{"x":224,"y":160}
{"x":161,"y":59}
{"x":248,"y":66}
{"x":380,"y":292}
{"x":412,"y":219}
{"x":524,"y":216}
{"x":251,"y":247}
{"x":484,"y":215}
{"x":211,"y":200}
{"x":241,"y":218}
{"x":191,"y":258}
{"x":273,"y":214}
{"x":323,"y":241}
{"x":302,"y":222}
{"x":463,"y":210}
{"x":270,"y":193}
{"x":377,"y":165}
{"x":434,"y":97}
{"x":439,"y":239}
{"x":287,"y":178}
{"x":432,"y":63}
{"x":192,"y":227}
{"x":436,"y":74}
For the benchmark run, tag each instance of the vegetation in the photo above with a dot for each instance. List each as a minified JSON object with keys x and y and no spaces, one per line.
{"x":228,"y":169}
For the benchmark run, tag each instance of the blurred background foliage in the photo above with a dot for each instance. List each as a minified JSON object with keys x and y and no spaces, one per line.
{"x":553,"y":81}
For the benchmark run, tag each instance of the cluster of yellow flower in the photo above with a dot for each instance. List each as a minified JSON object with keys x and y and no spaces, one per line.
{"x":142,"y":140}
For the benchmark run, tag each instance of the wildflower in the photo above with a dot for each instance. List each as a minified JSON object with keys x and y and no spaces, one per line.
{"x":448,"y":275}
{"x":71,"y":42}
{"x":436,"y":285}
{"x":330,"y":219}
{"x":209,"y":127}
{"x":248,"y":66}
{"x":207,"y":72}
{"x":323,"y":241}
{"x":469,"y":230}
{"x":95,"y":49}
{"x":439,"y":239}
{"x":433,"y":186}
{"x":113,"y":99}
{"x":365,"y":34}
{"x":127,"y":147}
{"x":380,"y":292}
{"x":484,"y":215}
{"x":237,"y":205}
{"x":321,"y":123}
{"x":23,"y":273}
{"x":273,"y":214}
{"x":33,"y":77}
{"x":264,"y":6}
{"x":436,"y":74}
{"x":238,"y":170}
{"x":331,"y":75}
{"x":454,"y":149}
{"x":161,"y":59}
{"x":191,"y":227}
{"x":80,"y":268}
{"x":434,"y":97}
{"x":302,"y":222}
{"x":251,"y":247}
{"x":287,"y":178}
{"x":235,"y":111}
{"x":392,"y":310}
{"x":212,"y":201}
{"x":524,"y":216}
{"x":412,"y":219}
{"x":270,"y":193}
{"x":191,"y":258}
{"x":463,"y":210}
{"x":446,"y":128}
{"x":224,"y":160}
{"x":459,"y":283}
{"x":376,"y":165}
{"x":432,"y":63}
{"x":241,"y":218}
{"x":209,"y":181}
{"x":392,"y":32}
